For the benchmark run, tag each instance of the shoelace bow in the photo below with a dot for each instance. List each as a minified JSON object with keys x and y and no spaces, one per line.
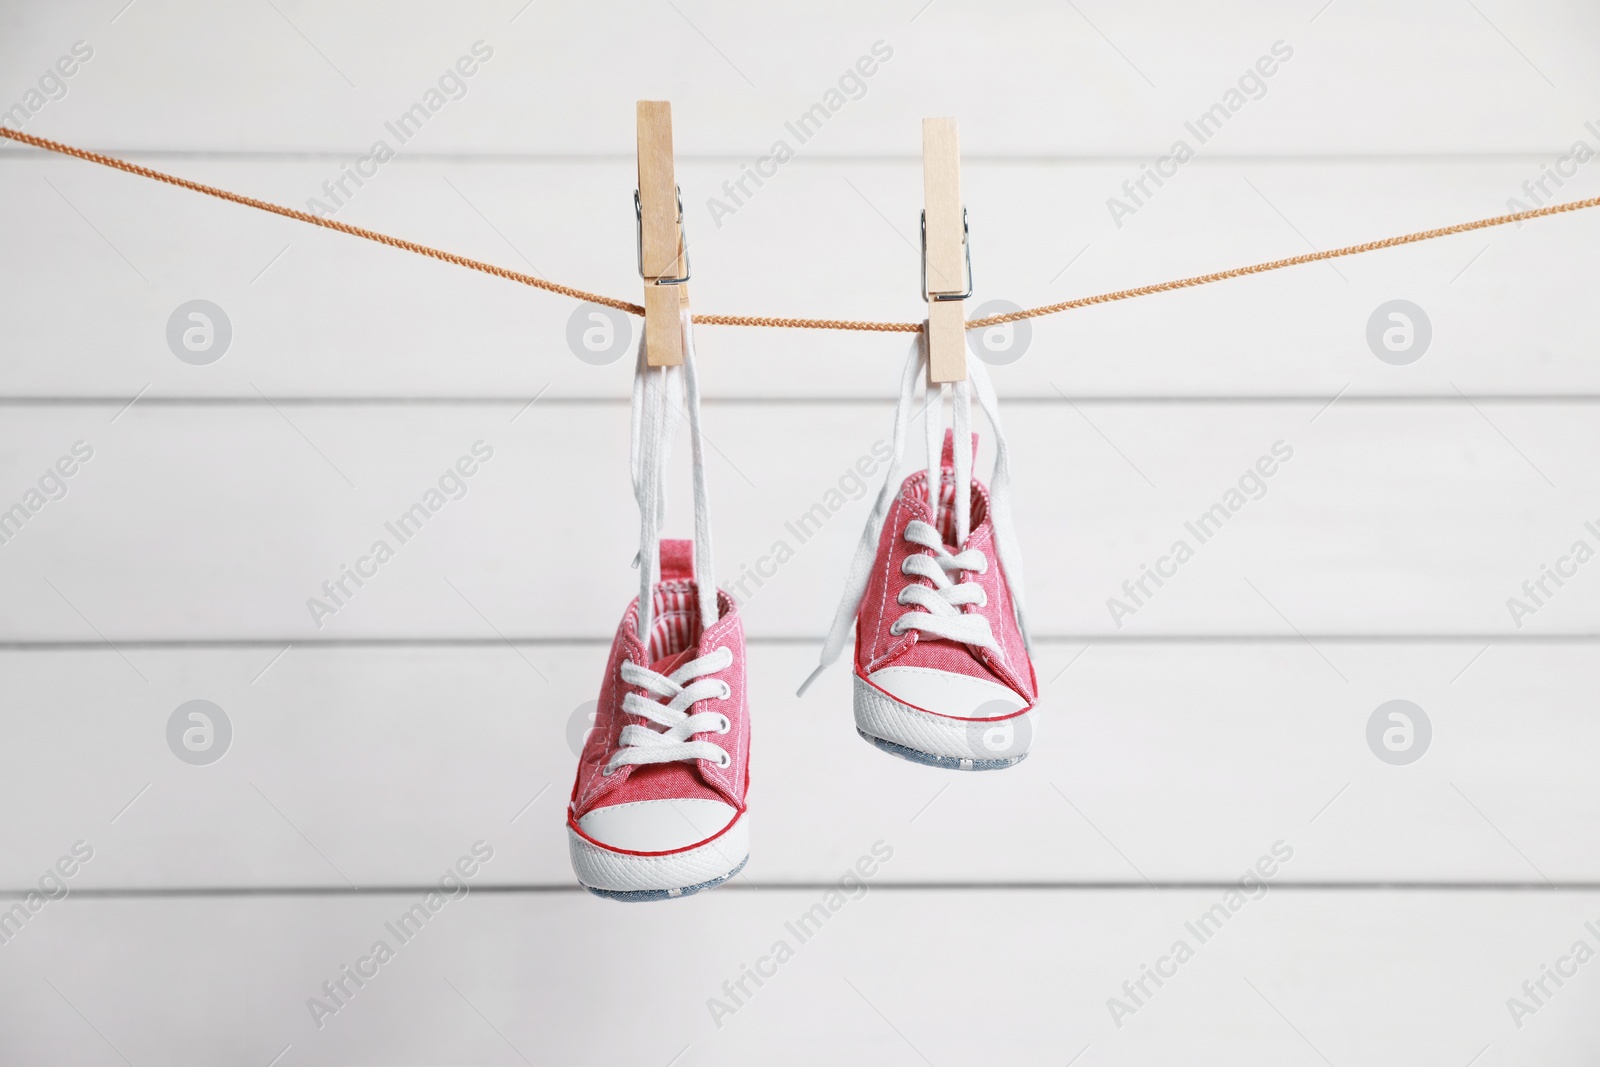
{"x":941,"y":614}
{"x":682,"y":689}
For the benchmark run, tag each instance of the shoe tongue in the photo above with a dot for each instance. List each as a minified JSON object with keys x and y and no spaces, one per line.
{"x":677,"y":560}
{"x":947,"y":459}
{"x":943,"y":520}
{"x":668,"y":664}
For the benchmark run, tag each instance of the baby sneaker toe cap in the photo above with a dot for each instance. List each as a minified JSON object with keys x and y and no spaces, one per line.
{"x":945,"y":693}
{"x":657,"y":825}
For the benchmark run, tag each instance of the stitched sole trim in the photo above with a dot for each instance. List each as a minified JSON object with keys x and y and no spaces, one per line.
{"x":625,"y":876}
{"x":946,"y":762}
{"x":640,"y":895}
{"x":935,"y":740}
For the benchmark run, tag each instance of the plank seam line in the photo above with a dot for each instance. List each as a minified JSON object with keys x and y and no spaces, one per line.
{"x":1211,"y":160}
{"x":304,"y":643}
{"x":1128,"y":399}
{"x":815,"y":886}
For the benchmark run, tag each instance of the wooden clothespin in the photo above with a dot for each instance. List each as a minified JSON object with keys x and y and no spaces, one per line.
{"x":946,"y":256}
{"x":663,"y":253}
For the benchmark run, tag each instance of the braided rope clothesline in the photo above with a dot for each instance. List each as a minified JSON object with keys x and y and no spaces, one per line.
{"x":789,"y":323}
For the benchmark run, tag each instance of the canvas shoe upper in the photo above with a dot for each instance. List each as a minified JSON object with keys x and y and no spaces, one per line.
{"x":658,"y":804}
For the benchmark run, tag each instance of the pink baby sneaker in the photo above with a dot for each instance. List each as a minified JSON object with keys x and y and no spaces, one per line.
{"x":942,"y":671}
{"x":658,"y":807}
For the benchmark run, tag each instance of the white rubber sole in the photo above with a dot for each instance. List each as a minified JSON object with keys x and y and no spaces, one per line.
{"x":629,"y":876}
{"x":938,"y":740}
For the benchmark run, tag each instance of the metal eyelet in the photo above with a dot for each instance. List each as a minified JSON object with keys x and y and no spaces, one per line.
{"x":605,"y":772}
{"x":725,"y":762}
{"x":727,"y":724}
{"x":727,"y":691}
{"x":895,"y":629}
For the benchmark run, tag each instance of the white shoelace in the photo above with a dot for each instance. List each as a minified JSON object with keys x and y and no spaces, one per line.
{"x":941,"y":614}
{"x":999,"y":510}
{"x":658,"y":393}
{"x":683,"y":688}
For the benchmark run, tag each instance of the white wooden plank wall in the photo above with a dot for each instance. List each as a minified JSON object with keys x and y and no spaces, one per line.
{"x":1224,"y":718}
